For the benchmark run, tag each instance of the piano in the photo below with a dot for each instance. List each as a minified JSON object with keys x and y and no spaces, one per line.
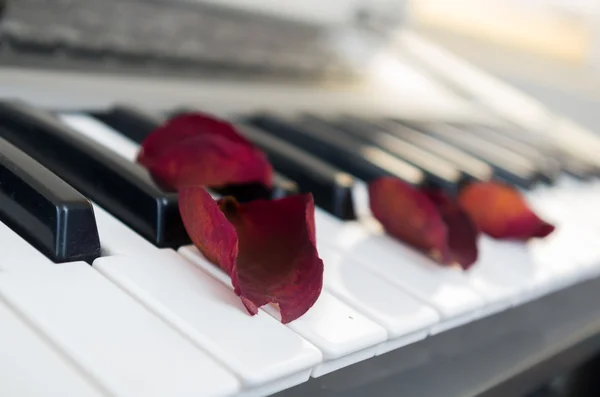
{"x":102,"y":293}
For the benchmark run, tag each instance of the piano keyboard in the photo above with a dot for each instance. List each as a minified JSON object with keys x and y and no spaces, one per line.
{"x":102,"y":294}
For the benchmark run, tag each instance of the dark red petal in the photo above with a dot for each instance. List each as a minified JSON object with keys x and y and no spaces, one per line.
{"x":196,"y":149}
{"x":210,"y":161}
{"x":183,"y":127}
{"x":278,"y":261}
{"x":267,"y":247}
{"x":462,"y":231}
{"x":500,"y":211}
{"x":409,"y":215}
{"x":208,"y":228}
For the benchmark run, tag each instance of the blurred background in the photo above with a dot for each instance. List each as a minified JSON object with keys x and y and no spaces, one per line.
{"x":548,"y":48}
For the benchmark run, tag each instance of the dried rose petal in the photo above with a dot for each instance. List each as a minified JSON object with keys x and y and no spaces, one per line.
{"x":184,"y":127}
{"x":409,"y":215}
{"x":195,"y":149}
{"x":267,"y":247}
{"x":425,"y":219}
{"x":462,"y":231}
{"x":208,"y":228}
{"x":500,"y":211}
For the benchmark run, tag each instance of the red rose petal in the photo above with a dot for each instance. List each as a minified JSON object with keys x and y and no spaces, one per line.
{"x":501,"y":212}
{"x":182,"y":128}
{"x":197,"y":150}
{"x":409,"y":215}
{"x":267,"y":247}
{"x":208,"y":228}
{"x":210,"y":161}
{"x":278,"y":261}
{"x":462,"y":231}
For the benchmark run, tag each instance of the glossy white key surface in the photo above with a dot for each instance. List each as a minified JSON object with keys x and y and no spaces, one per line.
{"x":571,"y":205}
{"x":259,"y":349}
{"x":585,"y":214}
{"x":500,"y":274}
{"x":111,"y":337}
{"x":102,"y":134}
{"x":31,"y":367}
{"x":16,"y":253}
{"x":570,"y":254}
{"x":343,"y":335}
{"x":405,"y":318}
{"x":116,"y":238}
{"x":445,"y":289}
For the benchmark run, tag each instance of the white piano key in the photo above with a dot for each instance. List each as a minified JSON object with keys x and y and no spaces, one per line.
{"x":500,"y":276}
{"x":575,"y":208}
{"x":445,"y":289}
{"x":583,"y":252}
{"x":405,"y":318}
{"x":112,"y":338}
{"x":262,"y":352}
{"x":583,"y":203}
{"x":54,"y":374}
{"x":102,"y":134}
{"x":16,"y":253}
{"x":533,"y":274}
{"x":589,"y":217}
{"x":572,"y":240}
{"x":552,"y":264}
{"x":566,"y":256}
{"x":116,"y":238}
{"x":30,"y":367}
{"x":342,"y":334}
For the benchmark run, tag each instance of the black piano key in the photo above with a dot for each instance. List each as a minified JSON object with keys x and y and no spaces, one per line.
{"x":364,"y":161}
{"x":547,"y":165}
{"x":243,"y":193}
{"x":331,"y":188}
{"x":123,"y":188}
{"x":134,"y":123}
{"x":283,"y":186}
{"x":565,"y":162}
{"x":44,"y":210}
{"x":577,"y":168}
{"x":568,"y":162}
{"x":469,"y":165}
{"x":509,"y":166}
{"x":137,"y":124}
{"x":438,"y":171}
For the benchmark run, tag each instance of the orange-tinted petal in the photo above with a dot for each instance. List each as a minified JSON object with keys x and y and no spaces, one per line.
{"x":462,"y":231}
{"x":409,"y":215}
{"x":278,"y":261}
{"x":198,"y":150}
{"x":501,"y":212}
{"x":267,"y":247}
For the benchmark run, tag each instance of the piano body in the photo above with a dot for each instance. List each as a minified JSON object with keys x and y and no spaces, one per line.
{"x":101,"y":293}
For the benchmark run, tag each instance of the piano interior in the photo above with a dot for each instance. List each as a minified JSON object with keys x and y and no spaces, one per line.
{"x":102,"y":292}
